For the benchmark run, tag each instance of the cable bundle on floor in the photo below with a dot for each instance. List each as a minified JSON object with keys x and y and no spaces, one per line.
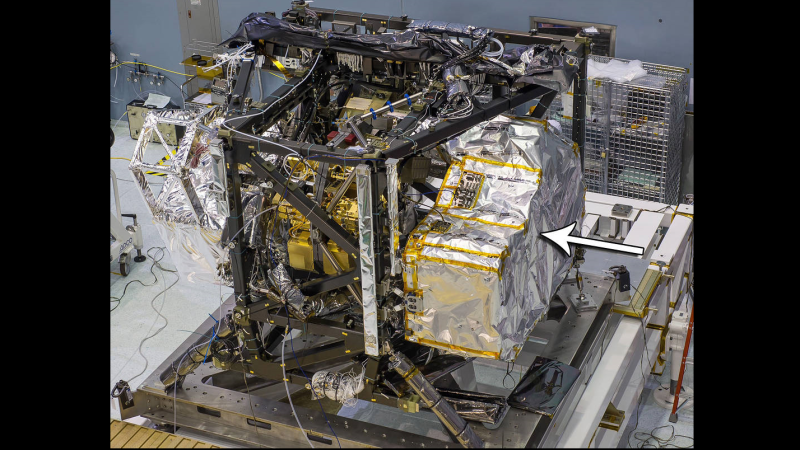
{"x":650,"y":439}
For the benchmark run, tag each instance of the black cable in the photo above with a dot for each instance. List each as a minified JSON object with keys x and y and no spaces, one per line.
{"x":291,"y":342}
{"x":660,"y":442}
{"x":433,"y":208}
{"x":508,"y":373}
{"x":155,"y":278}
{"x":177,"y":86}
{"x":644,"y":380}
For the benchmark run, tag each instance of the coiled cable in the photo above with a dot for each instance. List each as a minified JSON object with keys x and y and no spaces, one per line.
{"x":496,"y":53}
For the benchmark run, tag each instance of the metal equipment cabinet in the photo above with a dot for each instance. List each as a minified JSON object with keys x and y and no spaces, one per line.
{"x":634,"y":132}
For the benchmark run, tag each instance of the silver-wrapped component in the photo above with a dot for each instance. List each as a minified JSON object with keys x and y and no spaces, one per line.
{"x":367,"y":258}
{"x":290,"y":293}
{"x":481,"y":276}
{"x":191,"y":209}
{"x":341,"y":387}
{"x":534,"y":64}
{"x":252,"y":204}
{"x":535,"y":59}
{"x":277,"y":243}
{"x":475,"y":406}
{"x":453,"y":79}
{"x":452,"y":29}
{"x":392,"y":187}
{"x":331,"y":303}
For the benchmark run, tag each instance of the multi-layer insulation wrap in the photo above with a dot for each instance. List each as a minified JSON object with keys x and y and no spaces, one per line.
{"x":190,"y":210}
{"x":191,"y":207}
{"x":476,"y":273}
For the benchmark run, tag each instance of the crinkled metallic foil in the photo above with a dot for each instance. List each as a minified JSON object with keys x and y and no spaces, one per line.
{"x":545,"y":68}
{"x":452,"y":29}
{"x":331,"y":303}
{"x":394,"y":219}
{"x":290,"y":293}
{"x":535,"y":59}
{"x":452,"y":77}
{"x":476,"y":262}
{"x":252,"y":204}
{"x":367,"y":258}
{"x":191,"y":208}
{"x":476,"y":406}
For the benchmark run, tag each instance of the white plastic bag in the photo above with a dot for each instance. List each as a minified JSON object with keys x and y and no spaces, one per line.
{"x":616,"y":70}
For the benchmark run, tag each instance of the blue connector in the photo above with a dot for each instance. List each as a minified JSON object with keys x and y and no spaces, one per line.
{"x":408,"y":99}
{"x":374,"y":116}
{"x":391,"y":108}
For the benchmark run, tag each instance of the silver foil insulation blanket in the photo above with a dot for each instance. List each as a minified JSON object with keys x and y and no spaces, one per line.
{"x":190,"y":209}
{"x":477,"y":273}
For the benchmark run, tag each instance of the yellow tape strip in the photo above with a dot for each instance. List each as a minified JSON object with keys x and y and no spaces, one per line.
{"x":494,"y":355}
{"x":280,"y":66}
{"x":676,"y":213}
{"x":516,"y":227}
{"x":442,"y":189}
{"x":161,"y":163}
{"x":463,"y":250}
{"x":498,"y":163}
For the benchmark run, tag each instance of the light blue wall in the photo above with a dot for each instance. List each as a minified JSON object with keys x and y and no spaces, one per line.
{"x":150,"y":27}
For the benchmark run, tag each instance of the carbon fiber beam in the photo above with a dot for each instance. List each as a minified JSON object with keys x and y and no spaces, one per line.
{"x":307,"y":207}
{"x":447,"y":129}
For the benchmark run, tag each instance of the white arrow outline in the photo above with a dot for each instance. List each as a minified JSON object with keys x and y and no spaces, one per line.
{"x":562,"y":238}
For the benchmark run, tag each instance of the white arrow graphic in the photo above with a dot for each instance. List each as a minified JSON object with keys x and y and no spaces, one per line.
{"x":562,"y":238}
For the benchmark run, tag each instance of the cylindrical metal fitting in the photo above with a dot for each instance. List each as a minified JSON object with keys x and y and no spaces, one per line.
{"x":443,"y":410}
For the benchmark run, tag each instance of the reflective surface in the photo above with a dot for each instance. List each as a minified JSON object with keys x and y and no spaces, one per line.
{"x":483,"y":276}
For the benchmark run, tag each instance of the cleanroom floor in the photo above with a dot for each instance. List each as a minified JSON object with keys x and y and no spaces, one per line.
{"x":185,"y":305}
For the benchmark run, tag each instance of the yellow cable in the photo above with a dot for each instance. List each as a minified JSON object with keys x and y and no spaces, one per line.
{"x":115,"y":273}
{"x":275,"y":74}
{"x":148,"y":65}
{"x":120,"y":158}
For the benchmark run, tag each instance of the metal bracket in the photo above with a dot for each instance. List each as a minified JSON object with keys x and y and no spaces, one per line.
{"x":612,"y":418}
{"x":621,"y":210}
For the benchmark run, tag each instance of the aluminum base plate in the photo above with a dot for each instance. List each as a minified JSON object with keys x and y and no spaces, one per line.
{"x":586,"y":303}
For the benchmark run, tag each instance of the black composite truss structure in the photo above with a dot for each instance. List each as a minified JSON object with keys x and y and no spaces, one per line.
{"x":257,"y":317}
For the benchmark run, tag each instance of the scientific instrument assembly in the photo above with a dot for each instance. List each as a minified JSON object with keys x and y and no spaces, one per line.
{"x":380,"y":218}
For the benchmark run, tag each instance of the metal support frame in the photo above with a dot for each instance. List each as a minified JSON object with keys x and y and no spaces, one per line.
{"x":259,"y":358}
{"x":444,"y":131}
{"x":242,"y":84}
{"x":370,"y":270}
{"x":579,"y":101}
{"x":673,"y":417}
{"x":605,"y":346}
{"x":307,"y":207}
{"x":226,"y":411}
